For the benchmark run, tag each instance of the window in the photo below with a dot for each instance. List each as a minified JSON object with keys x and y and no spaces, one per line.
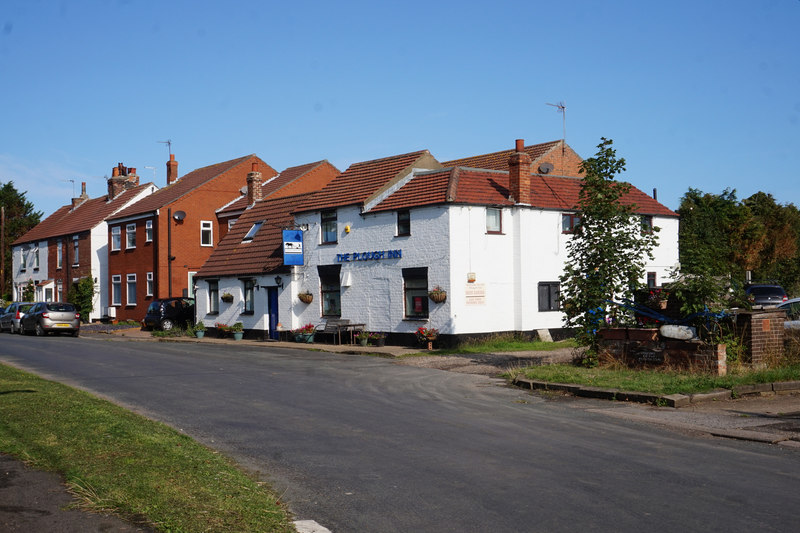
{"x":206,"y":233}
{"x":148,"y":231}
{"x":24,"y":262}
{"x":404,"y":222}
{"x":131,"y":292}
{"x":59,"y":254}
{"x":252,"y":233}
{"x":231,"y":222}
{"x":651,"y":280}
{"x":116,"y":289}
{"x":548,"y":296}
{"x":249,"y":288}
{"x":75,"y":249}
{"x":331,"y":290}
{"x":213,"y":297}
{"x":150,"y":284}
{"x":494,"y":220}
{"x":59,"y":291}
{"x":116,"y":238}
{"x":415,"y":290}
{"x":130,"y":236}
{"x":569,"y":222}
{"x":329,"y":227}
{"x":36,"y":258}
{"x":647,"y":224}
{"x":48,"y":294}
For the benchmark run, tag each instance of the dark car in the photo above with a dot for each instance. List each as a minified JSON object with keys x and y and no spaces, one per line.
{"x":765,"y":295}
{"x":51,"y":317}
{"x":168,"y":313}
{"x":10,"y":317}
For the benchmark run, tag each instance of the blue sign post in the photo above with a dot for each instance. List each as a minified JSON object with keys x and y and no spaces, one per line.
{"x":292,"y":247}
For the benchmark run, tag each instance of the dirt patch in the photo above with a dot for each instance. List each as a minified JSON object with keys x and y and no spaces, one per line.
{"x":489,"y":364}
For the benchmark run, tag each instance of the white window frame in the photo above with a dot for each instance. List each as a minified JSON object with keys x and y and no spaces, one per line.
{"x":494,"y":220}
{"x":76,"y":249}
{"x":36,"y":257}
{"x":59,"y":255}
{"x":150,"y":284}
{"x":116,"y":238}
{"x":206,"y":227}
{"x":23,"y":264}
{"x":130,"y":236}
{"x":116,"y":289}
{"x":251,"y":234}
{"x":148,"y":230}
{"x":130,"y":282}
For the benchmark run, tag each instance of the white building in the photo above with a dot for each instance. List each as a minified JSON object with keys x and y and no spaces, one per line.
{"x":384,"y":233}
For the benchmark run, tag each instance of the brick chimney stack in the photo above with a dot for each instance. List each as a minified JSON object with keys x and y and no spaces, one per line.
{"x":519,"y":175}
{"x":172,"y":169}
{"x":121,"y":178}
{"x":253,"y":185}
{"x":82,"y":198}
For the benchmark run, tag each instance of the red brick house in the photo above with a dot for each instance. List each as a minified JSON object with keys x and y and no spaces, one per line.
{"x":71,"y":244}
{"x":156,"y":245}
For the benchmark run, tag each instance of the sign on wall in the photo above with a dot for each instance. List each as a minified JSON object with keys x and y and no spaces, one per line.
{"x":292,"y":247}
{"x":476,"y":294}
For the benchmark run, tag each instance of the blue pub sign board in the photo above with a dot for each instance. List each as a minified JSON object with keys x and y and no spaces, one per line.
{"x":292,"y":247}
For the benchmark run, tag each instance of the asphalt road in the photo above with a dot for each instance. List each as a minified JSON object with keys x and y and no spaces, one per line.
{"x":362,"y":444}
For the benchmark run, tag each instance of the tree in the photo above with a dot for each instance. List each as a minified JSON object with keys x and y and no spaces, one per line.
{"x":81,"y":295}
{"x":608,"y":251}
{"x":20,"y":217}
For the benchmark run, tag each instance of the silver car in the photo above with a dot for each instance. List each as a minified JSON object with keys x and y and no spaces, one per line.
{"x":11,"y":315}
{"x":51,"y":317}
{"x":792,"y":308}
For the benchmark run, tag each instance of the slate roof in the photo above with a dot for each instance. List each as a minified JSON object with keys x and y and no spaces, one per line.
{"x":293,"y":180}
{"x":361,"y":180}
{"x":499,"y":160}
{"x":486,"y":187}
{"x":264,"y":253}
{"x":183,"y":186}
{"x":90,"y":213}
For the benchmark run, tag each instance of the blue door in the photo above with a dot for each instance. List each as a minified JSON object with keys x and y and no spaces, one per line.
{"x":272,"y":311}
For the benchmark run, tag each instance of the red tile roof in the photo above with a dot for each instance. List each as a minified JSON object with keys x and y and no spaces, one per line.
{"x":87,"y":215}
{"x":499,"y":160}
{"x":362,"y":180}
{"x":264,"y":254}
{"x":188,"y":183}
{"x":484,"y":187}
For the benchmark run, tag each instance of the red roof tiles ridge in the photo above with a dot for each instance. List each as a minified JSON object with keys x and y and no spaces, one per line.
{"x":423,"y":163}
{"x":535,"y":151}
{"x":452,"y":185}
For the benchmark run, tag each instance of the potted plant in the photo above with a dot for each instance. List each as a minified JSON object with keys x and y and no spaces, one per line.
{"x":377,"y":338}
{"x":305,"y":333}
{"x":238,"y":331}
{"x":199,"y":330}
{"x":362,"y":337}
{"x":226,"y":297}
{"x":437,"y":294}
{"x":306,"y":297}
{"x":427,"y":336}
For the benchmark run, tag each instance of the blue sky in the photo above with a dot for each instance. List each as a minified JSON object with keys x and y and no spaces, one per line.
{"x":702,"y":94}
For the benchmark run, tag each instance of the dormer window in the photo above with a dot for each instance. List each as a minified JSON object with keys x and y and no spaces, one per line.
{"x":253,"y":230}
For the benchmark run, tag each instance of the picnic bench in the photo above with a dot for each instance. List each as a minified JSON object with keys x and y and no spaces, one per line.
{"x":335,"y":327}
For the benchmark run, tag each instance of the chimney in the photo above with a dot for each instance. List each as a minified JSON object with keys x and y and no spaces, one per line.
{"x":116,"y":183}
{"x":132,"y":179}
{"x":519,"y":175}
{"x":82,"y":198}
{"x":253,"y":185}
{"x":172,"y":169}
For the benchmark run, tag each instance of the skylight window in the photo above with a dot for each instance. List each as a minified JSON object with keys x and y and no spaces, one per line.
{"x":252,"y":233}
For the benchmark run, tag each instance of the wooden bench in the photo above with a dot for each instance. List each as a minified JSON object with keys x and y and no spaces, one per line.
{"x":335,"y":326}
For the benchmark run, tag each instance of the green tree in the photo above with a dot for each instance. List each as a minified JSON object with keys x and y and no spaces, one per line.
{"x":81,"y":295}
{"x":28,"y":291}
{"x":20,"y":217}
{"x":779,"y":259}
{"x":608,"y":251}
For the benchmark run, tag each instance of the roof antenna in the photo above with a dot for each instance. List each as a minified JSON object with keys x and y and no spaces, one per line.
{"x":562,"y":108}
{"x":73,"y":187}
{"x":168,"y":142}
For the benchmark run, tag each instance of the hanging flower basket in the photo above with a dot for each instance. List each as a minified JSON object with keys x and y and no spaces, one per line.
{"x":438,"y":294}
{"x":226,"y":297}
{"x":306,"y":297}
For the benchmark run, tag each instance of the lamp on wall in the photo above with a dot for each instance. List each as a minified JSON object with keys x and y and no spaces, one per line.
{"x":279,"y":281}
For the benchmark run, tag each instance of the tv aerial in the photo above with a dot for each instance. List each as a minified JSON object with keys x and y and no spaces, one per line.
{"x":562,"y":108}
{"x":168,"y":142}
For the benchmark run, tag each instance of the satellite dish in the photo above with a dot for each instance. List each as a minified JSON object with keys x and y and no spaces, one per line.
{"x":179,"y":215}
{"x":545,"y":168}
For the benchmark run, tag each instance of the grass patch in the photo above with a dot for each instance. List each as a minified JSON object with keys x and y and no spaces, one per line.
{"x":119,"y":462}
{"x":657,"y":381}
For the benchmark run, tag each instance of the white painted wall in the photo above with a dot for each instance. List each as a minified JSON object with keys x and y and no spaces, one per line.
{"x":20,"y":278}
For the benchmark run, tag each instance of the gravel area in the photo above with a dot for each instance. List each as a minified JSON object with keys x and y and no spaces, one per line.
{"x":489,"y":364}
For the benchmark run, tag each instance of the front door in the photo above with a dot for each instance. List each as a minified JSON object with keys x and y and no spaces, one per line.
{"x":272,"y":311}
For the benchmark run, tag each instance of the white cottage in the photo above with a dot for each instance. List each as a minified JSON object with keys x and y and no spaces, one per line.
{"x":490,"y":231}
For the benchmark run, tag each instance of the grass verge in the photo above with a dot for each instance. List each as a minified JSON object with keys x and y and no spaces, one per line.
{"x":119,"y":462}
{"x":657,"y":381}
{"x":503,"y":342}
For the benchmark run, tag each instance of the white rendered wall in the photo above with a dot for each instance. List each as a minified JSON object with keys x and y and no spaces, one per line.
{"x":20,"y":279}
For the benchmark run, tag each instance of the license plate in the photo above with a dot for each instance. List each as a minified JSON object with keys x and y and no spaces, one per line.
{"x":62,"y":326}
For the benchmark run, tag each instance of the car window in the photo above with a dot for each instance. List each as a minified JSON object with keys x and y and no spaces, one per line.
{"x":60,"y":307}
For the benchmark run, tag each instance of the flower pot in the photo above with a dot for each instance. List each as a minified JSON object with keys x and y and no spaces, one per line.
{"x":199,"y":334}
{"x":306,"y":297}
{"x":380,"y":342}
{"x":227,"y":299}
{"x":437,"y":296}
{"x":363,"y":342}
{"x":237,"y":335}
{"x":304,"y":337}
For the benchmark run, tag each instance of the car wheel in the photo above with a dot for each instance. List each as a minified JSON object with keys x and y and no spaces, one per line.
{"x":167,"y":324}
{"x":75,"y":333}
{"x":39,"y":330}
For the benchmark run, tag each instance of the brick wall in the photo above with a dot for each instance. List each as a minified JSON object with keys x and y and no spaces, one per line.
{"x":762,"y":333}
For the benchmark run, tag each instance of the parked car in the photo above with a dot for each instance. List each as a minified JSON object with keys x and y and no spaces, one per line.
{"x":50,"y":317}
{"x":168,"y":313}
{"x":11,"y":315}
{"x":765,"y":295}
{"x":792,"y":308}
